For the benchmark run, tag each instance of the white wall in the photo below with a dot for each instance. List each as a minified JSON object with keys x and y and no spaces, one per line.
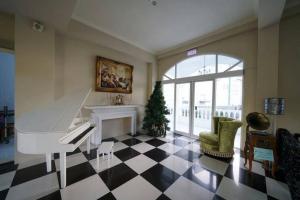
{"x":289,"y":72}
{"x":6,"y":31}
{"x":7,"y":80}
{"x":267,"y":65}
{"x":34,"y":53}
{"x":34,"y":84}
{"x":76,"y":68}
{"x":83,"y":32}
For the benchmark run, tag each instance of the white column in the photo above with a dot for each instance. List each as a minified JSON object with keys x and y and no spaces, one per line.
{"x":63,"y":169}
{"x":48,"y":161}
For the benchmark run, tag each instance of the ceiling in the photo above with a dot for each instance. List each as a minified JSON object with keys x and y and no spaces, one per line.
{"x":168,"y":24}
{"x":156,"y":29}
{"x":55,"y":12}
{"x":269,"y":12}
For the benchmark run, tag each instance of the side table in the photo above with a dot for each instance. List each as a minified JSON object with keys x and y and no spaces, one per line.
{"x":258,"y":140}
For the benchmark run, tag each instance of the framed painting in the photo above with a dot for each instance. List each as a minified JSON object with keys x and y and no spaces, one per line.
{"x":113,"y":76}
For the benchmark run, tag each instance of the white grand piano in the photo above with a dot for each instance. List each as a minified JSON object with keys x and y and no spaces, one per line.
{"x":57,"y":128}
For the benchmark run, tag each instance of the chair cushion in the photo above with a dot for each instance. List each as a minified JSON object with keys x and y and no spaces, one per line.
{"x":209,"y":138}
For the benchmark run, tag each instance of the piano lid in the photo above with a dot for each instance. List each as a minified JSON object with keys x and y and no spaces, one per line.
{"x":57,"y":117}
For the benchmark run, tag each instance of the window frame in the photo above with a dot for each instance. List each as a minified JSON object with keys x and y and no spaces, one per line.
{"x":217,"y":74}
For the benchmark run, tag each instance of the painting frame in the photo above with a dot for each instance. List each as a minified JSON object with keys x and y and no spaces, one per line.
{"x":113,"y":76}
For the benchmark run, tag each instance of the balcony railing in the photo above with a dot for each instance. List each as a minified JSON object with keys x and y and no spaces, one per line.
{"x":204,"y":112}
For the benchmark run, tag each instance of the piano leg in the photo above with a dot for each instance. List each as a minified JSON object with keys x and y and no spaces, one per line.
{"x":97,"y":159}
{"x":88,"y":144}
{"x":133,"y":124}
{"x":63,"y":170}
{"x":48,"y":161}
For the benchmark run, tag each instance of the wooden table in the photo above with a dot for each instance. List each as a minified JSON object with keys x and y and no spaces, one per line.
{"x":264,"y":141}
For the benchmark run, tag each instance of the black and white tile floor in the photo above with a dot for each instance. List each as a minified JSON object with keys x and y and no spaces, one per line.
{"x":143,"y":168}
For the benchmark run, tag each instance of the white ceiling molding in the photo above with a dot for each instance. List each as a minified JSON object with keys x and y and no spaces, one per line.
{"x":84,"y":32}
{"x":221,"y":34}
{"x":90,"y":24}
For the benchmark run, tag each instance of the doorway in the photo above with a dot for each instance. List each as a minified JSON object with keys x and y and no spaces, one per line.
{"x":7,"y":105}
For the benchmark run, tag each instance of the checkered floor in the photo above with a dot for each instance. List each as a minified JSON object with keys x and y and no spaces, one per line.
{"x":142,"y":168}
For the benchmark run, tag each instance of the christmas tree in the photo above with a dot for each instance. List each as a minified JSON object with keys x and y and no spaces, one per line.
{"x":155,"y":121}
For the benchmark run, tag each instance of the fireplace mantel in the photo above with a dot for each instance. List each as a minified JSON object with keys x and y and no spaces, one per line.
{"x":105,"y":112}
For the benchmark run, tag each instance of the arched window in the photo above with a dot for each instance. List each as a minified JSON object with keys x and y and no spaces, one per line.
{"x":201,"y":87}
{"x":203,"y":65}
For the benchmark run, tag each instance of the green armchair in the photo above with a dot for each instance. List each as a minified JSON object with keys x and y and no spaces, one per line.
{"x":220,"y":142}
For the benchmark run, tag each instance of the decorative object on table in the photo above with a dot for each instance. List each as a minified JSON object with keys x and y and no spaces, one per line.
{"x":259,"y":143}
{"x":273,"y":107}
{"x":258,"y":122}
{"x":155,"y":121}
{"x":220,"y":142}
{"x":113,"y":76}
{"x":288,"y":147}
{"x":118,"y":100}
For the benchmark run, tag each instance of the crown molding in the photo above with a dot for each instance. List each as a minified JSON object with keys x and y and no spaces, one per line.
{"x":245,"y":26}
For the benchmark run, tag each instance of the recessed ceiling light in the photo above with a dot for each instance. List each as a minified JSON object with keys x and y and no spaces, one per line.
{"x":153,"y":2}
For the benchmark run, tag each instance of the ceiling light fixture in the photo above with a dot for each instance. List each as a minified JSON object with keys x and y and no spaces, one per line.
{"x":153,"y":2}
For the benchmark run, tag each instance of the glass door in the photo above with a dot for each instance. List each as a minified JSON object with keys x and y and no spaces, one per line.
{"x":203,"y":105}
{"x":197,"y":102}
{"x":182,"y":117}
{"x":229,"y":92}
{"x":168,"y":90}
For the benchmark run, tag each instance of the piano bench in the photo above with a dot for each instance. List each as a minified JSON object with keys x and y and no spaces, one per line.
{"x":105,"y":148}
